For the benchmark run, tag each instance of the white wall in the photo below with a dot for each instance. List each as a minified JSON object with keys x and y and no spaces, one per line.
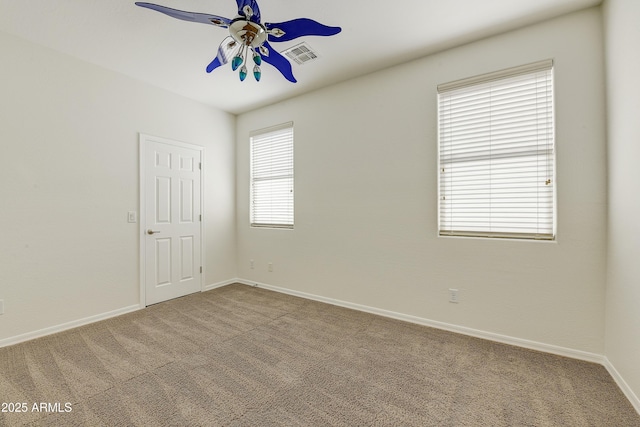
{"x":366,"y":197}
{"x":623,"y":285}
{"x":69,"y":174}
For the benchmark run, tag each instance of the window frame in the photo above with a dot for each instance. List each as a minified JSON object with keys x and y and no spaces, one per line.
{"x":492,"y":78}
{"x":282,"y":216}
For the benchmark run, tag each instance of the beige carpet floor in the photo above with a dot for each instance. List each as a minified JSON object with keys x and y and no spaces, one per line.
{"x":242,"y":356}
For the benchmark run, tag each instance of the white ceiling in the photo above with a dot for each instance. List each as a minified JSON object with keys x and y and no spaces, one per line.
{"x":173,"y":54}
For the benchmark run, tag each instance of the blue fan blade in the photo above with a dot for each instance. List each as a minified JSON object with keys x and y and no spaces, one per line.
{"x":203,"y":18}
{"x":280,"y":62}
{"x":224,"y":53}
{"x":214,"y":64}
{"x":300,"y":27}
{"x":251,"y":3}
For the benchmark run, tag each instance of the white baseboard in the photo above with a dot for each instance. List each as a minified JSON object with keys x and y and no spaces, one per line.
{"x":532,"y":345}
{"x":547,"y":348}
{"x":633,"y":398}
{"x":220,"y":284}
{"x":91,"y":319}
{"x":519,"y":342}
{"x":66,"y":326}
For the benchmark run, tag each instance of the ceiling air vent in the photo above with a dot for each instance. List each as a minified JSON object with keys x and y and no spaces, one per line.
{"x":301,"y":53}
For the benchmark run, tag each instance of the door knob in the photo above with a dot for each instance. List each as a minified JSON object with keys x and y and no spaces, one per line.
{"x":150,"y":232}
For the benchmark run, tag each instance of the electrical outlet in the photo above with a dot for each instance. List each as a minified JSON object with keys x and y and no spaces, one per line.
{"x":270,"y":266}
{"x":1,"y":306}
{"x":251,"y":265}
{"x":453,"y":296}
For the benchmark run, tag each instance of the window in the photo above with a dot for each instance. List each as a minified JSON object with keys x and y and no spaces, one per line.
{"x":272,"y":177}
{"x":496,"y":154}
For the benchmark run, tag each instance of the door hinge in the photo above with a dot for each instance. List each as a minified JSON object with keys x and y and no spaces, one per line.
{"x":200,"y":217}
{"x":200,"y":165}
{"x":200,"y":270}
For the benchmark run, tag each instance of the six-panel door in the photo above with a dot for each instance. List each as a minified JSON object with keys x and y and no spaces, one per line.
{"x":173,"y":223}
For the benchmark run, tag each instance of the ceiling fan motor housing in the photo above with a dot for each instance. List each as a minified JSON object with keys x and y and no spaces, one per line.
{"x":247,"y":32}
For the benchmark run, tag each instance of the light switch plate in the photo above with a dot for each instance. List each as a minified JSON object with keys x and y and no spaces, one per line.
{"x":133,"y":217}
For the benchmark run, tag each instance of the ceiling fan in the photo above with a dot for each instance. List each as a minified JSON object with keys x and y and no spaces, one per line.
{"x":249,"y":36}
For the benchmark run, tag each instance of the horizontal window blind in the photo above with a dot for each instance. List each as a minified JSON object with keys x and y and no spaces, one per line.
{"x":272,"y":177}
{"x":496,"y":154}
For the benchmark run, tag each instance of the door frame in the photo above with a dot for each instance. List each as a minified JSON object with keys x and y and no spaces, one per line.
{"x":144,"y":142}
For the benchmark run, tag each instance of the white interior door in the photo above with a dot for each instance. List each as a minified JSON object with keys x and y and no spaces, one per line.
{"x":172,"y":223}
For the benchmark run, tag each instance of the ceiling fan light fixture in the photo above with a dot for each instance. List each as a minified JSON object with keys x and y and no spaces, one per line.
{"x":257,"y":59}
{"x":257,"y":73}
{"x":236,"y":62}
{"x":243,"y":73}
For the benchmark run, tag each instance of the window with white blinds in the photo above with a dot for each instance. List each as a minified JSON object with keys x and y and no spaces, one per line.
{"x":272,"y":177}
{"x":496,"y":154}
